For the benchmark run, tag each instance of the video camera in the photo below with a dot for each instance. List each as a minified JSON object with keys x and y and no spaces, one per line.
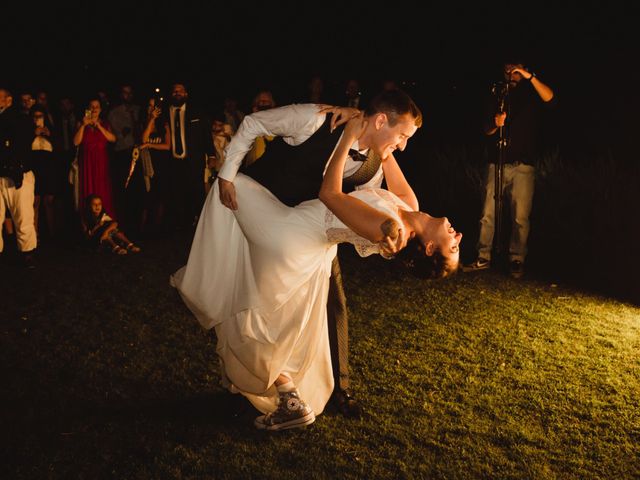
{"x":500,"y":89}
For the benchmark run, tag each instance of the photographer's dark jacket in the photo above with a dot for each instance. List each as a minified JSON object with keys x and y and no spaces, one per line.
{"x":523,"y":127}
{"x":16,"y":132}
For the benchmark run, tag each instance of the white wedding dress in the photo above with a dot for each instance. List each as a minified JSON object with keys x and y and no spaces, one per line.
{"x":260,"y":276}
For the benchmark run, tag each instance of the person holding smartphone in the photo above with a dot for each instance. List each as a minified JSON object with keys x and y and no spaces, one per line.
{"x":93,"y":135}
{"x":155,"y":165}
{"x":45,"y":168}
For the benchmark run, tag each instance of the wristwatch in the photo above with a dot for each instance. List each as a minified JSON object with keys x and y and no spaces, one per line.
{"x":532,"y":76}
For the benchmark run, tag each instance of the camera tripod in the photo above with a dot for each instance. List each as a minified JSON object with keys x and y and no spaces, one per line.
{"x":501,"y":90}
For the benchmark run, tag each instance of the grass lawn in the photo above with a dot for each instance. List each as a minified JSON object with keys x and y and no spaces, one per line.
{"x":105,"y":374}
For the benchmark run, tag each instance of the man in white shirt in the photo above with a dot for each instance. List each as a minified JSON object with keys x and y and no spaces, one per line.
{"x":17,"y":181}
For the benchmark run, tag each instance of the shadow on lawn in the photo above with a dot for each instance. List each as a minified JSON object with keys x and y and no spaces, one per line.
{"x":64,"y":415}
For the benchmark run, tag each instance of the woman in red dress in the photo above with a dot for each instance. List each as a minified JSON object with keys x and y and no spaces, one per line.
{"x":93,"y":135}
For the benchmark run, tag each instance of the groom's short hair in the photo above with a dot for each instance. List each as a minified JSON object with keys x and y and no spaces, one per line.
{"x":394,"y":103}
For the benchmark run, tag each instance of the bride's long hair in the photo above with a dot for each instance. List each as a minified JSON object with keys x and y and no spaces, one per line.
{"x":414,"y":258}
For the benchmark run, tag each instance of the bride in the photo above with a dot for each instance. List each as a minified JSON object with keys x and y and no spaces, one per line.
{"x":260,"y":274}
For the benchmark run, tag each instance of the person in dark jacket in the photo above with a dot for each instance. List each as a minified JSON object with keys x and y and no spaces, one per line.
{"x":17,"y":182}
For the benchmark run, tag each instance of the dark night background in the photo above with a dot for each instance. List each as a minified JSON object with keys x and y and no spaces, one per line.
{"x":448,"y":56}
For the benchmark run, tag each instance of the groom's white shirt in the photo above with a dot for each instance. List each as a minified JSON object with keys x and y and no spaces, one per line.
{"x":295,"y":124}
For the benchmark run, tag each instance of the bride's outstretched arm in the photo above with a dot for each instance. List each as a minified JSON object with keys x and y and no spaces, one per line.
{"x":363,"y":219}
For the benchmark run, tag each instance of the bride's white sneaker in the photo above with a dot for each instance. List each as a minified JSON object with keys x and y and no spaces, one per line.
{"x":292,"y":412}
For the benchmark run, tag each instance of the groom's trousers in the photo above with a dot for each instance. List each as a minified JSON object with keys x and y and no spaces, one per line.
{"x":338,"y":328}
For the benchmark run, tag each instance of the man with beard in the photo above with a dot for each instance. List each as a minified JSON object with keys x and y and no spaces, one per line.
{"x":191,"y":146}
{"x":262,"y":101}
{"x":520,"y":120}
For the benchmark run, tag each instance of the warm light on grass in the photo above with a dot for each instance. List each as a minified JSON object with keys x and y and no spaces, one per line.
{"x":479,"y":376}
{"x":512,"y":378}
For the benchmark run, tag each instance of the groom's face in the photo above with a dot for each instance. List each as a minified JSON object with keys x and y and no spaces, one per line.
{"x":390,"y":138}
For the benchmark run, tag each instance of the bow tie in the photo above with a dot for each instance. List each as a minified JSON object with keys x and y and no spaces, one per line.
{"x":357,"y":156}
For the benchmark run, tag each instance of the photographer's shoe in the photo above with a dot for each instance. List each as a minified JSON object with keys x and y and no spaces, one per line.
{"x":479,"y":264}
{"x":292,"y":412}
{"x":516,"y":269}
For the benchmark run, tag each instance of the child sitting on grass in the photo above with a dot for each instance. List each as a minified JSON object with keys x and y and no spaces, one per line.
{"x":102,"y":231}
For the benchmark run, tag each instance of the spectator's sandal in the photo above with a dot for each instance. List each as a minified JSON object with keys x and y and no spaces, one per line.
{"x":118,"y":250}
{"x":133,"y":248}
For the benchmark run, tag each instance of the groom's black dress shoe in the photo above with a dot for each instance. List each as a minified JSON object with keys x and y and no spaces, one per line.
{"x":236,"y":405}
{"x":346,"y":404}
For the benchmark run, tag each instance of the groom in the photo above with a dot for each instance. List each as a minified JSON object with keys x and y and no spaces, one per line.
{"x":292,"y":169}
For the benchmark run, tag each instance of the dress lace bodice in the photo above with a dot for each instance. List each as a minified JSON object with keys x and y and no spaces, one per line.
{"x":381,"y":200}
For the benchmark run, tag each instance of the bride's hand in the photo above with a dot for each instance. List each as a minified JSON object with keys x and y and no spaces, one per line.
{"x":325,"y":108}
{"x":227,"y":193}
{"x":355,"y":127}
{"x":341,"y":115}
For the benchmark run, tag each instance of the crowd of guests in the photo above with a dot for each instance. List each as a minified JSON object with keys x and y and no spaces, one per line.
{"x":152,"y":160}
{"x":148,"y":161}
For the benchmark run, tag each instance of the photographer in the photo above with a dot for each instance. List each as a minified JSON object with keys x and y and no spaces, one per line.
{"x":513,"y":125}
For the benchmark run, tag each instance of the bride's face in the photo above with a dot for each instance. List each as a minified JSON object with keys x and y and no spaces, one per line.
{"x":439,"y":235}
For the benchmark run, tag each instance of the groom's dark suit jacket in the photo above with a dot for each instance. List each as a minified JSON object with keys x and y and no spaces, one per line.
{"x":294,"y":173}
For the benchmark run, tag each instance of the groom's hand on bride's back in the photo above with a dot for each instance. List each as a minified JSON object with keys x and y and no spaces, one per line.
{"x":227,"y":193}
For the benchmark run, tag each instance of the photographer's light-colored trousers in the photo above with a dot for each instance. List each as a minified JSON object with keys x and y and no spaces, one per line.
{"x":517,"y":187}
{"x":19,"y":203}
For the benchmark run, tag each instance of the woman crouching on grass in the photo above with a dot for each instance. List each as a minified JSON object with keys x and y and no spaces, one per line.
{"x":100,"y":230}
